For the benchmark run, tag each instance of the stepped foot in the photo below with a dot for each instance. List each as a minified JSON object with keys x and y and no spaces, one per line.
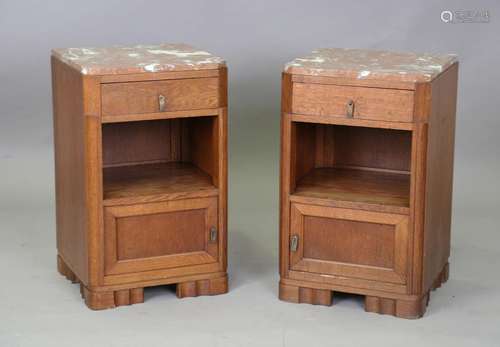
{"x":442,"y":277}
{"x":101,"y":298}
{"x":64,"y":270}
{"x":409,"y":309}
{"x":304,"y":295}
{"x":108,"y":299}
{"x":212,"y":286}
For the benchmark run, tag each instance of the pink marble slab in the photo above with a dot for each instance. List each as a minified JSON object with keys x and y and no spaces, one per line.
{"x":137,"y":59}
{"x":371,"y":64}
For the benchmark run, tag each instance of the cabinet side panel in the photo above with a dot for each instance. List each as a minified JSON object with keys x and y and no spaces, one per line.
{"x":69,"y":147}
{"x":304,"y":135}
{"x":223,"y":87}
{"x":222,"y":158}
{"x":222,"y":163}
{"x":204,"y":145}
{"x":285,"y":170}
{"x":439,"y":177}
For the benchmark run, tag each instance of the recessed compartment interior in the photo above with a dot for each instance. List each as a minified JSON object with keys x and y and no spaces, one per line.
{"x":351,"y":163}
{"x":166,"y":156}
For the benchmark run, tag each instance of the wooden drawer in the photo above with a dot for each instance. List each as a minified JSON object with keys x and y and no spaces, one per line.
{"x":369,"y":103}
{"x":160,"y":235}
{"x":348,"y":243}
{"x":144,"y":97}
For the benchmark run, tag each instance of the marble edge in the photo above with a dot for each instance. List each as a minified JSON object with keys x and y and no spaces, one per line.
{"x":97,"y":71}
{"x":366,"y":74}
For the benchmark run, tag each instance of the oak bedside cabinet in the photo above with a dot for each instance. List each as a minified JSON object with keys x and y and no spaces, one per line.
{"x":140,"y":139}
{"x":366,"y":177}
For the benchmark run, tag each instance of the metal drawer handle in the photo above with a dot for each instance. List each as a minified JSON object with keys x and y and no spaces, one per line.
{"x":213,"y":234}
{"x":294,"y":243}
{"x":162,"y":102}
{"x":350,"y":108}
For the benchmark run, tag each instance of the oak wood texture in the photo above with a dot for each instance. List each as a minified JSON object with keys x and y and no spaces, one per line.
{"x":325,"y":119}
{"x":439,"y":175}
{"x":351,"y":146}
{"x":303,"y":295}
{"x":202,"y":287}
{"x":70,"y":167}
{"x":138,"y":190}
{"x":150,"y":182}
{"x":160,"y":235}
{"x":193,"y":139}
{"x":357,"y":186}
{"x":142,"y":97}
{"x":159,"y":115}
{"x":369,"y":103}
{"x":110,"y":297}
{"x":163,"y":75}
{"x":365,"y":201}
{"x":353,"y":243}
{"x":409,"y":309}
{"x":402,"y":306}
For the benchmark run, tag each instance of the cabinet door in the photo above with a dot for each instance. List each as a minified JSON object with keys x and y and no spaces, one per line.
{"x":160,"y":235}
{"x":349,"y":243}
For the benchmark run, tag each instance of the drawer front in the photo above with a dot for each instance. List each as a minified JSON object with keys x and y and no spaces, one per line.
{"x":349,"y":243}
{"x":368,"y":103}
{"x":160,"y":235}
{"x":145,"y":97}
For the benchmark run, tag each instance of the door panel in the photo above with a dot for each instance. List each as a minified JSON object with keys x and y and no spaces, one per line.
{"x":346,"y":241}
{"x":160,"y":235}
{"x":350,"y":243}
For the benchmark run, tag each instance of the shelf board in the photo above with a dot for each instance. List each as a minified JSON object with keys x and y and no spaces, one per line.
{"x":153,"y":182}
{"x":385,"y":191}
{"x":160,"y":115}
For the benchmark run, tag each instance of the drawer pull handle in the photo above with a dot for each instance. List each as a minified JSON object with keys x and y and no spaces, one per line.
{"x":213,"y":234}
{"x":294,"y":243}
{"x":161,"y":103}
{"x":350,"y":108}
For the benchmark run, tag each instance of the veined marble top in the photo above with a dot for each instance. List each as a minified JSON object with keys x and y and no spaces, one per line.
{"x":137,"y":59}
{"x":371,"y":64}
